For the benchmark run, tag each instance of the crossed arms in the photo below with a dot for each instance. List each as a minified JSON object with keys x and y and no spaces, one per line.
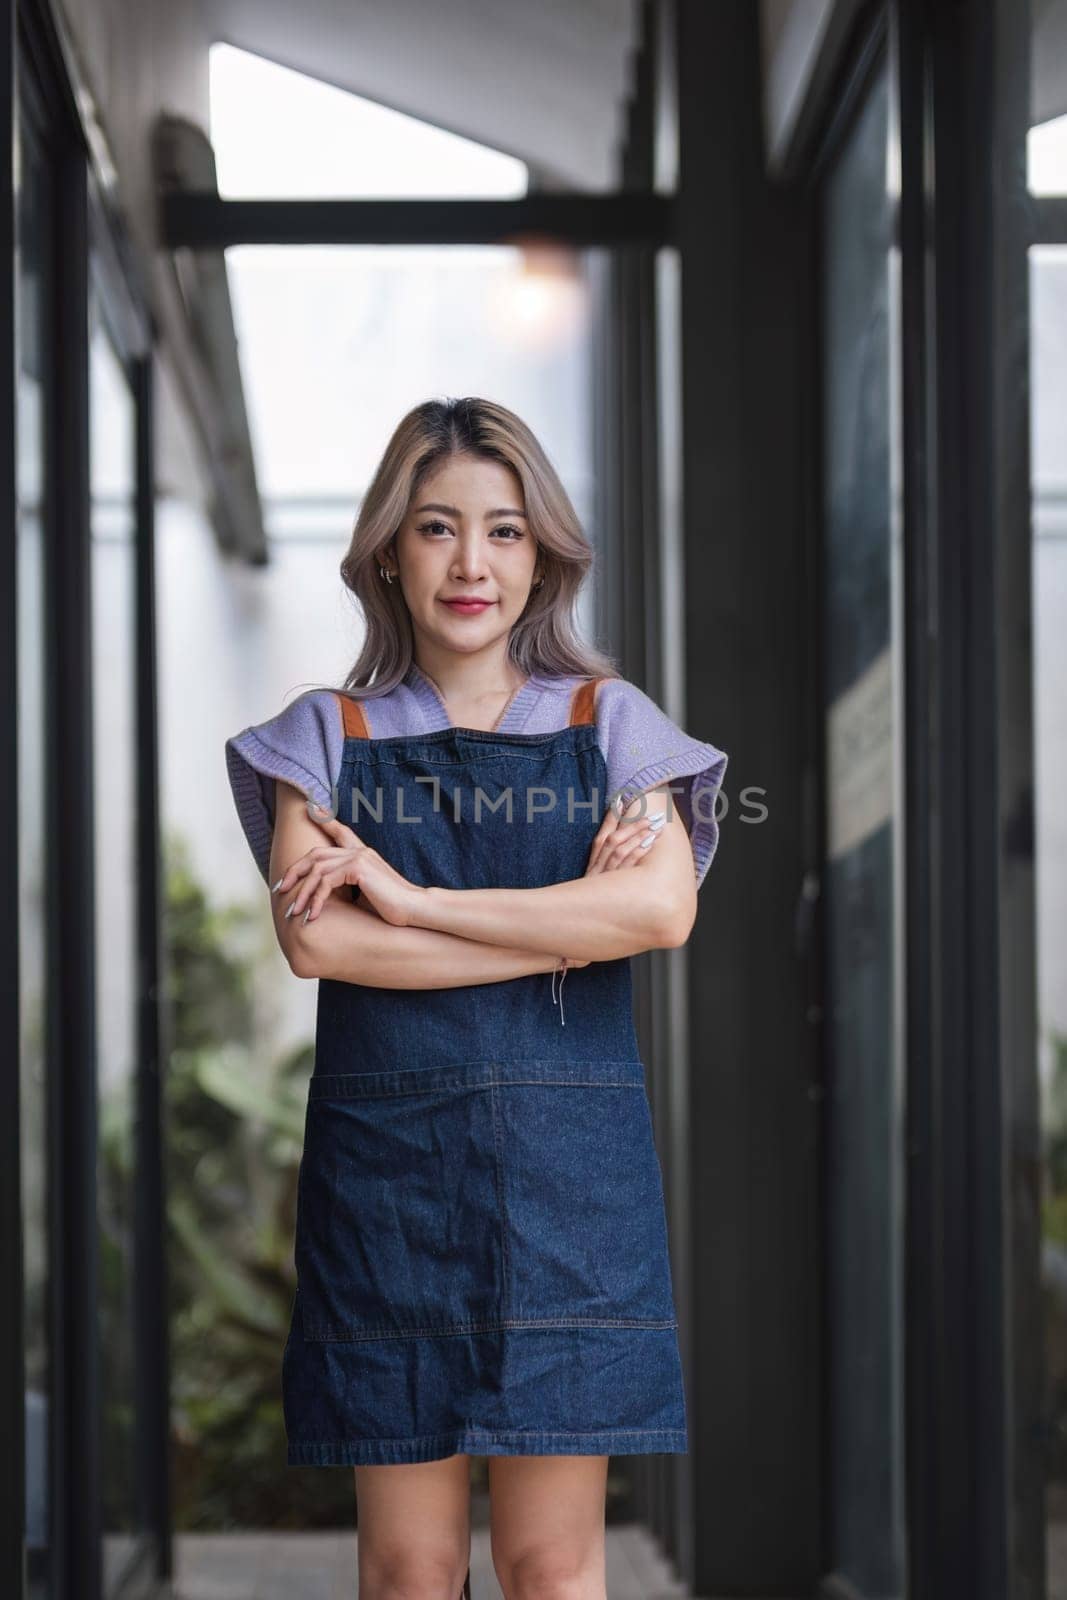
{"x":438,"y":938}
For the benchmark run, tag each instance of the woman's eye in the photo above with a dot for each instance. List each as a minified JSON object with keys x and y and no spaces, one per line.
{"x":435,"y":525}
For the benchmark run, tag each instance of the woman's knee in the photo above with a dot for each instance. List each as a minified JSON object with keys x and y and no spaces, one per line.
{"x":551,"y":1571}
{"x":547,"y":1526}
{"x":413,"y":1529}
{"x":413,"y":1571}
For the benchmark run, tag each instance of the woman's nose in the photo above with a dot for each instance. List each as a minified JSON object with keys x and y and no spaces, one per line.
{"x":470,"y":560}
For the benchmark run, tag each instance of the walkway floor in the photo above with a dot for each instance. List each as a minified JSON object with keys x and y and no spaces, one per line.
{"x":322,"y":1566}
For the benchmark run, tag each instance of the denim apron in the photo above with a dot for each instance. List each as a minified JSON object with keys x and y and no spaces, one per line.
{"x":481,"y":1246}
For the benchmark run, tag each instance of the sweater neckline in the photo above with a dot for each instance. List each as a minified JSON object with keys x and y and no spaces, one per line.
{"x":435,"y":712}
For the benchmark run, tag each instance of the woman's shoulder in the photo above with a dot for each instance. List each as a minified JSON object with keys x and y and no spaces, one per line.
{"x":300,"y":745}
{"x":317,"y":717}
{"x":558,"y":692}
{"x":645,"y":748}
{"x":311,"y":720}
{"x":615,"y":698}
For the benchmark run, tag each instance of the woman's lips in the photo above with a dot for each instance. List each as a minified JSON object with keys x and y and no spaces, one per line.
{"x":468,"y":608}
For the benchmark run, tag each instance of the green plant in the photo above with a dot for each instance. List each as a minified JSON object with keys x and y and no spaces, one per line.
{"x":234,"y":1127}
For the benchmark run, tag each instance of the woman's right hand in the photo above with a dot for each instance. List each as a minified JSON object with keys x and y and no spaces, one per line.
{"x":321,"y":871}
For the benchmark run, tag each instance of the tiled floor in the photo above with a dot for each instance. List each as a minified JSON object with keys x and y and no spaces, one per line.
{"x":322,"y":1566}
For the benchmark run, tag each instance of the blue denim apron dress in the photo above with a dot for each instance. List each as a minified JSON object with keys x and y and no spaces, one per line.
{"x":481,"y":1245}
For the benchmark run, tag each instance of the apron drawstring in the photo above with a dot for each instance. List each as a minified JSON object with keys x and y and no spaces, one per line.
{"x":562,"y":968}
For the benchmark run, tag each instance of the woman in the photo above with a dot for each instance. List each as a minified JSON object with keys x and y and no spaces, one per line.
{"x":481,"y":1247}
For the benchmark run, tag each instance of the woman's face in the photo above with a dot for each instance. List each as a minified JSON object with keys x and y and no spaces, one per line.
{"x":466,"y":534}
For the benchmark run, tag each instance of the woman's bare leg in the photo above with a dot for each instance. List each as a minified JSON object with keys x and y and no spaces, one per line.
{"x":413,"y":1539}
{"x":546,"y":1518}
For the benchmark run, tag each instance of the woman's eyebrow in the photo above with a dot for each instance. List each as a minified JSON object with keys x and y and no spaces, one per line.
{"x":454,"y":511}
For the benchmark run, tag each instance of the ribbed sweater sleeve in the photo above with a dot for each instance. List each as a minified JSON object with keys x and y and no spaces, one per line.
{"x":644,"y":749}
{"x":302,"y":746}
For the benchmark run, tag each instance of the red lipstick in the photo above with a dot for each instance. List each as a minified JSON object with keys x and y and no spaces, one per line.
{"x":468,"y":608}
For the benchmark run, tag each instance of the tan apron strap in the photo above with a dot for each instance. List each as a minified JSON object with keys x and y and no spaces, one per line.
{"x":583,"y":702}
{"x":353,"y":720}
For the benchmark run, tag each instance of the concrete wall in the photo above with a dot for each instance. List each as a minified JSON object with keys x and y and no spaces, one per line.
{"x":137,"y":60}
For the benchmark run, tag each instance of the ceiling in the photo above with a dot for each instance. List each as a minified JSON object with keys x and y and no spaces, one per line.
{"x":547,"y":82}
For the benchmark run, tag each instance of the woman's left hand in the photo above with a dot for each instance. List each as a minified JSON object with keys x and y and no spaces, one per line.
{"x":347,"y":861}
{"x":623,"y":838}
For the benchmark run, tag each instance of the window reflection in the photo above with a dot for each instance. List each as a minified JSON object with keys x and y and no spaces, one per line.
{"x":114,"y":601}
{"x":33,"y":775}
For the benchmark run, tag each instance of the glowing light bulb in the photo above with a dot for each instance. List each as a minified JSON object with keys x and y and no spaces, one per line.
{"x":540,"y":303}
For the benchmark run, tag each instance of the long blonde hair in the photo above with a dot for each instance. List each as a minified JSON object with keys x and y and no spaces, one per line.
{"x":545,"y":639}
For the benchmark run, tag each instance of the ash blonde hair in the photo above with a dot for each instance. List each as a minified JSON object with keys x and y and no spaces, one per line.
{"x":545,"y":639}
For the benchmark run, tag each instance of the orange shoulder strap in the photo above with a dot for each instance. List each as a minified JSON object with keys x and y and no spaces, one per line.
{"x":583,"y":710}
{"x":583,"y":702}
{"x":353,"y":720}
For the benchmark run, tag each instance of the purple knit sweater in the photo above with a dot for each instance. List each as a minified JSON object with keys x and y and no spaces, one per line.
{"x":642,"y":749}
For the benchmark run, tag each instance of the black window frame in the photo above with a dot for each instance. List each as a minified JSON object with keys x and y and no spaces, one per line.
{"x":87,"y":244}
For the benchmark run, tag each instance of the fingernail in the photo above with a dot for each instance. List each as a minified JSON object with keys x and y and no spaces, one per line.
{"x":657,"y":819}
{"x":650,"y":838}
{"x":307,"y":913}
{"x":276,"y":886}
{"x":291,"y":909}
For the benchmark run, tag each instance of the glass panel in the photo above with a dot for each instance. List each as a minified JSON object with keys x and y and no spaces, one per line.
{"x":34,"y":202}
{"x":1048,"y":355}
{"x":863,"y":735}
{"x":114,"y":611}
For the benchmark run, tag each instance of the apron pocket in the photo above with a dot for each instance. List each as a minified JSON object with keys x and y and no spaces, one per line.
{"x":585,"y":1224}
{"x":398,"y":1218}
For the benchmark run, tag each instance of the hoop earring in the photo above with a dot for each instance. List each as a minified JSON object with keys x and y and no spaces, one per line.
{"x":540,"y":582}
{"x":388,"y":576}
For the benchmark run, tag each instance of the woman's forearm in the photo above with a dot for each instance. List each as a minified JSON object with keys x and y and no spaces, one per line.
{"x":354,"y":945}
{"x":599,"y":917}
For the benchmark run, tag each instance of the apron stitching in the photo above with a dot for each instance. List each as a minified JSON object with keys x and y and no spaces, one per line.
{"x":328,"y":1332}
{"x":498,"y":1433}
{"x":461,"y":1088}
{"x":498,"y":1171}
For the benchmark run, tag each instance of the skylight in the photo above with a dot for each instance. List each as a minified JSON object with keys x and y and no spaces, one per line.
{"x":279,"y":134}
